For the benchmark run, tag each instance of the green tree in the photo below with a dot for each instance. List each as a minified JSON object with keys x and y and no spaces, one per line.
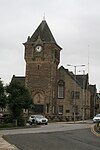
{"x":18,"y":98}
{"x":2,"y":96}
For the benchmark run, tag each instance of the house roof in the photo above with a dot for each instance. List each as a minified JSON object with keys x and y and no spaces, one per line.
{"x":20,"y":79}
{"x":82,"y":80}
{"x":43,"y":31}
{"x":92,"y":88}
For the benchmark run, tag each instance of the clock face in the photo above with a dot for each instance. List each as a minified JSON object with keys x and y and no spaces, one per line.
{"x":38,"y":48}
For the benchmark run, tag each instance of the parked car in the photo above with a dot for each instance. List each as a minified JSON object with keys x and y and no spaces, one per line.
{"x":96,"y":118}
{"x":38,"y":119}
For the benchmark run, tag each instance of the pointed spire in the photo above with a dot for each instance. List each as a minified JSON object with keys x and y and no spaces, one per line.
{"x":43,"y":31}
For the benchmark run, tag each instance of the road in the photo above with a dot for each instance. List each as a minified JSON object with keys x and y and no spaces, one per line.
{"x":51,"y":127}
{"x":81,"y":139}
{"x":55,"y":136}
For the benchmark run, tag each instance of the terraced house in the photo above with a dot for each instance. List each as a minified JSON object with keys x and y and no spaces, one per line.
{"x":55,"y":91}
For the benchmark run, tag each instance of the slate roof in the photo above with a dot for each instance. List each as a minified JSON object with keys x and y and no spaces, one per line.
{"x":43,"y":31}
{"x":92,"y":88}
{"x":83,"y":80}
{"x":20,"y":79}
{"x":79,"y":78}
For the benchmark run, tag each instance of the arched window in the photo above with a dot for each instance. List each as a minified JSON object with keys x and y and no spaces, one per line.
{"x":61,"y":89}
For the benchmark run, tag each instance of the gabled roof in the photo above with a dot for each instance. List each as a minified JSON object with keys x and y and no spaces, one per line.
{"x":79,"y":78}
{"x":43,"y":32}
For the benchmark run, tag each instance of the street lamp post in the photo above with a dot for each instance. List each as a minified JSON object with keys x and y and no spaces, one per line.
{"x":75,"y":66}
{"x":83,"y":97}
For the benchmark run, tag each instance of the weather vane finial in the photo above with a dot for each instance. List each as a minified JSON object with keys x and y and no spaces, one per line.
{"x":44,"y":16}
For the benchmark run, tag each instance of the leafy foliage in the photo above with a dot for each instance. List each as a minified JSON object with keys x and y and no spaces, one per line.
{"x":2,"y":96}
{"x":18,"y":98}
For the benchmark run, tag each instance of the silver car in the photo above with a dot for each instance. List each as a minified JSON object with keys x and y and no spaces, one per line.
{"x":96,"y":118}
{"x":38,"y":119}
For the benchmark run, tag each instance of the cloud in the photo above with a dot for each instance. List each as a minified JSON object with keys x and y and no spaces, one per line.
{"x":74,"y":24}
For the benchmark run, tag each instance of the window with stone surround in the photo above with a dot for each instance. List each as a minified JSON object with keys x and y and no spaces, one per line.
{"x":75,"y":95}
{"x":47,"y":108}
{"x":60,"y":109}
{"x":61,"y":89}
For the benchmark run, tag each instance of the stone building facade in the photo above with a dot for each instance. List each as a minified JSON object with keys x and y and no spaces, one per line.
{"x":93,"y":108}
{"x":55,"y":91}
{"x":97,"y":103}
{"x":42,"y":56}
{"x":76,"y":94}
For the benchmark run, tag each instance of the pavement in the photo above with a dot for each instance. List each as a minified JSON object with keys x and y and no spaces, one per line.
{"x":4,"y":145}
{"x":93,"y":130}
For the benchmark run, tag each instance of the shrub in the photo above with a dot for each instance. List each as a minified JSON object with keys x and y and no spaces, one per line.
{"x":6,"y":125}
{"x":20,"y":121}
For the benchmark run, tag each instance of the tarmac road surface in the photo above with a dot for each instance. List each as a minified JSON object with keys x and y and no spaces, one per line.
{"x":80,"y":139}
{"x":51,"y":127}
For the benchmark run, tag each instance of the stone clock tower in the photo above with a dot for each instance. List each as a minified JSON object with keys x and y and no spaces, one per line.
{"x":42,"y":56}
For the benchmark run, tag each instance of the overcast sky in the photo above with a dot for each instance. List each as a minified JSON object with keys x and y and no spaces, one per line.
{"x":75,"y":25}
